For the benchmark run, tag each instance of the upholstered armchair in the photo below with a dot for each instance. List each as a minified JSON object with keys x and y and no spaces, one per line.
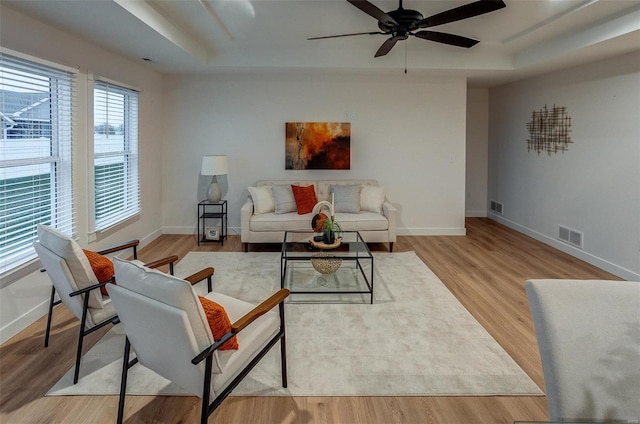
{"x":167,"y":327}
{"x":76,"y":284}
{"x":588,"y":334}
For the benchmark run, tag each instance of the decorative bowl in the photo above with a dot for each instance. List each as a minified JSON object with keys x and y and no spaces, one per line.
{"x":326,"y":263}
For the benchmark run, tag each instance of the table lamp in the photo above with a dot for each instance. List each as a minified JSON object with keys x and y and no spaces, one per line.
{"x":214,"y":165}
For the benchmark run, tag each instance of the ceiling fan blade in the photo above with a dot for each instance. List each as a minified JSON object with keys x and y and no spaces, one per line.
{"x":345,"y":35}
{"x":451,"y":39}
{"x":373,"y":11}
{"x":470,"y":10}
{"x":387,"y":46}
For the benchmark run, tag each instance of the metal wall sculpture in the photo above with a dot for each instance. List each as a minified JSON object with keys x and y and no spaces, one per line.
{"x":549,"y":130}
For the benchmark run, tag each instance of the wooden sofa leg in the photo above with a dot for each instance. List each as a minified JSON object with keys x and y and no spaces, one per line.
{"x":390,"y":246}
{"x":245,"y":247}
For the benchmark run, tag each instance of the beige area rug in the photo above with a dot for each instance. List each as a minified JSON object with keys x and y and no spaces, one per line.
{"x":415,"y":340}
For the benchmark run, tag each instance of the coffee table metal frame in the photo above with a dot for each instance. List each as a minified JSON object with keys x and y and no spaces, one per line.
{"x":296,"y":247}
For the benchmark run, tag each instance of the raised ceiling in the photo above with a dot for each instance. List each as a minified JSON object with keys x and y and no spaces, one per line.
{"x":208,"y":36}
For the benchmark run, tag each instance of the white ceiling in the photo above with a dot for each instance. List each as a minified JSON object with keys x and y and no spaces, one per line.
{"x":207,"y":36}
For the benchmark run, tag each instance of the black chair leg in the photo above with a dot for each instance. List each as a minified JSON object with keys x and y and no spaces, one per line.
{"x":283,"y":345}
{"x":83,"y":320}
{"x":283,"y":360}
{"x":51,"y":304}
{"x":206,"y":391}
{"x":123,"y":381}
{"x":76,"y":373}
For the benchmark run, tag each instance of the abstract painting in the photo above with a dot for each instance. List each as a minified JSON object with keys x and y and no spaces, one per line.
{"x":318,"y":145}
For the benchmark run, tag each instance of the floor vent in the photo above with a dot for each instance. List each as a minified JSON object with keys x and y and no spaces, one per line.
{"x":570,"y":236}
{"x":496,"y":207}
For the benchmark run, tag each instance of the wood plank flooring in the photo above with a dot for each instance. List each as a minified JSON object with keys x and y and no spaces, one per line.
{"x":485,"y":270}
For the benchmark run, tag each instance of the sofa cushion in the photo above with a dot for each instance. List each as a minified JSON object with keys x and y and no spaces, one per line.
{"x":346,"y":198}
{"x":323,"y":186}
{"x":371,"y":198}
{"x":284,"y":200}
{"x":363,"y":221}
{"x":281,"y":222}
{"x":305,"y":198}
{"x":262,"y":197}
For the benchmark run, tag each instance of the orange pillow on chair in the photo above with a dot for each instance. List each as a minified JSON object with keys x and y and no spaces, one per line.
{"x":102,"y":268}
{"x":305,"y":198}
{"x":218,"y":322}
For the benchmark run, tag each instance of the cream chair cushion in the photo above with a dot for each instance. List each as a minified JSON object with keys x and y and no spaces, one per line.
{"x":167,"y":327}
{"x":171,"y":291}
{"x":589,"y":339}
{"x":67,"y":248}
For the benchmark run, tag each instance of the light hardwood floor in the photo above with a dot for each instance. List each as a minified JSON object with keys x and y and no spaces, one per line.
{"x":485,"y":270}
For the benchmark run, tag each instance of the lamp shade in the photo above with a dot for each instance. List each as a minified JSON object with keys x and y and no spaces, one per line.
{"x":214,"y":165}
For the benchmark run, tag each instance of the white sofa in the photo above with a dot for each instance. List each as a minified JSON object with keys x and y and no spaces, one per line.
{"x":270,"y":227}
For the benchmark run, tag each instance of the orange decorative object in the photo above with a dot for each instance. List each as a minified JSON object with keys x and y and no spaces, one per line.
{"x":102,"y":268}
{"x":317,"y":223}
{"x":305,"y":198}
{"x":218,"y":322}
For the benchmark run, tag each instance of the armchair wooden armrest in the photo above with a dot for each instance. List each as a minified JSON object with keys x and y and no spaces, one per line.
{"x":260,"y":310}
{"x":201,"y":275}
{"x":169,"y":260}
{"x":132,"y":243}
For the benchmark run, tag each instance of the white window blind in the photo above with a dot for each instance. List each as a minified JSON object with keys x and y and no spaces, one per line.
{"x":37,"y":104}
{"x":116,"y":182}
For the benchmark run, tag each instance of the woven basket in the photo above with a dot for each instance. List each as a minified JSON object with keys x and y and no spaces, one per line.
{"x":326,"y":263}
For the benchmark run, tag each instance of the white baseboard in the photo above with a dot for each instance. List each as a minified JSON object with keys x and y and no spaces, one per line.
{"x":578,"y":253}
{"x":23,"y":321}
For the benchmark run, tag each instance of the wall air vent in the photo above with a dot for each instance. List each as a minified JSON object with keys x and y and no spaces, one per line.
{"x":570,"y":236}
{"x":496,"y":207}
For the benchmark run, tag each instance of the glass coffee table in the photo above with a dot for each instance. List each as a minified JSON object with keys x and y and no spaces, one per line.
{"x":314,"y":274}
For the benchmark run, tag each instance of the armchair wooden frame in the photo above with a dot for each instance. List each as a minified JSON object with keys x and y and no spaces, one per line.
{"x":277,"y":299}
{"x":83,"y":331}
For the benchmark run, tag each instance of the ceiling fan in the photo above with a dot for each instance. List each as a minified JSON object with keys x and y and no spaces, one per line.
{"x":401,"y":23}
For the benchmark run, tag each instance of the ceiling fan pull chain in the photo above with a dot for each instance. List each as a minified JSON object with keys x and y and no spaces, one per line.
{"x":405,"y":56}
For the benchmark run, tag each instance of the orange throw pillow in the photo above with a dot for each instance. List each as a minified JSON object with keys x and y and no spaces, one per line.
{"x":305,"y":198}
{"x":218,"y":322}
{"x":102,"y":268}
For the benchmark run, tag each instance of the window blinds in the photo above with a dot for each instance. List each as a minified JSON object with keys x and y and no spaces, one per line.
{"x":116,"y":181}
{"x":37,"y":103}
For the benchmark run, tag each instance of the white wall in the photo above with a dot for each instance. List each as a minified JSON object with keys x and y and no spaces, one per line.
{"x":594,"y":187}
{"x":477,"y":165}
{"x":407,"y":132}
{"x":26,"y":299}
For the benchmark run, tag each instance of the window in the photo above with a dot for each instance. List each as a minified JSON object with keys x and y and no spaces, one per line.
{"x":36,"y":106}
{"x":115,"y":153}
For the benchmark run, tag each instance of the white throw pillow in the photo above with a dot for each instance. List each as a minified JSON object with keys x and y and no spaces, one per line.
{"x":346,"y":198}
{"x":263,"y":201}
{"x":284,"y":200}
{"x":371,"y":198}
